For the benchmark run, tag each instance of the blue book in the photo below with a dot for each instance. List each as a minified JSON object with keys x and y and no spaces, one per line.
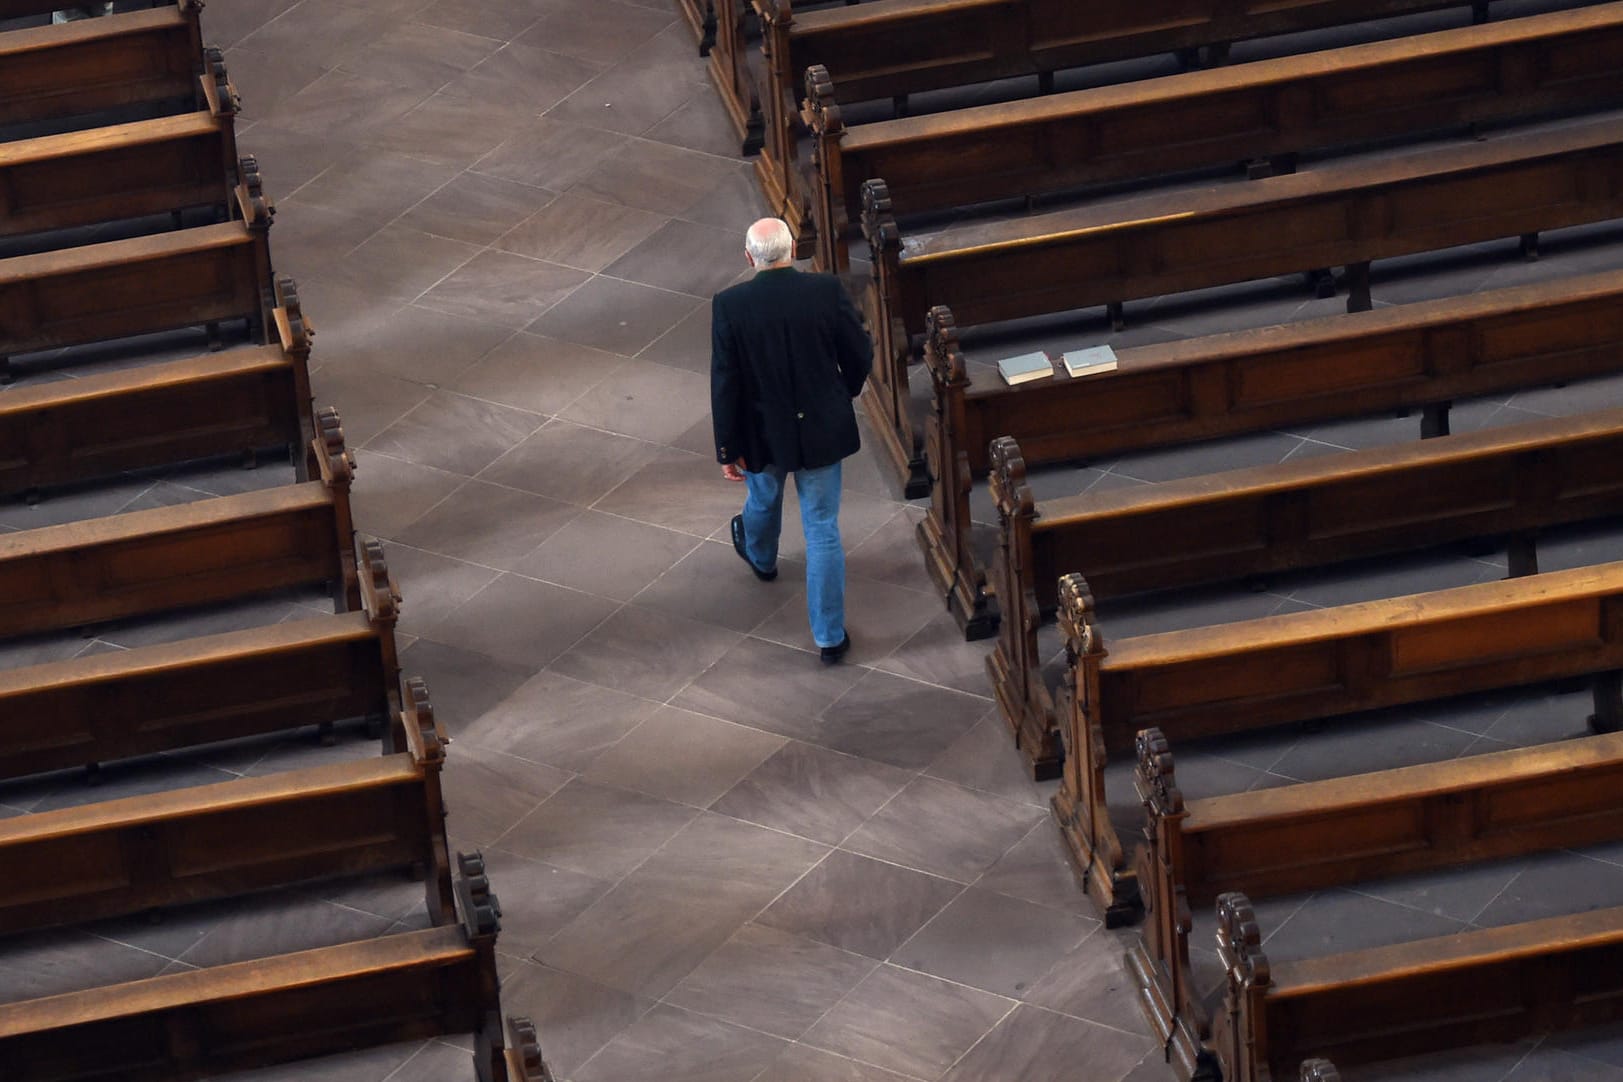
{"x":1025,"y":368}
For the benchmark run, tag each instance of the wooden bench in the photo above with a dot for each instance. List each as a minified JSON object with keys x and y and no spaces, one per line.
{"x":1341,"y":215}
{"x":1345,"y":830}
{"x":1416,"y":355}
{"x":141,"y":58}
{"x":21,"y":9}
{"x":121,"y":288}
{"x":213,"y":550}
{"x":1506,"y":482}
{"x":1241,"y":676}
{"x":1264,"y":113}
{"x":204,"y":1022}
{"x":96,"y":709}
{"x":894,"y":48}
{"x":121,"y":857}
{"x":238,"y":401}
{"x":1483,"y":986}
{"x":159,"y":166}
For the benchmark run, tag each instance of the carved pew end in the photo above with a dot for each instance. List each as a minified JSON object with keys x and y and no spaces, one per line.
{"x":1434,"y":420}
{"x":1322,"y":283}
{"x":1358,"y":299}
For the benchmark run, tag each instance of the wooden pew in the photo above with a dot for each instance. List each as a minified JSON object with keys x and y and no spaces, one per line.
{"x":894,"y":48}
{"x":524,"y":1059}
{"x":1483,"y":986}
{"x":235,"y":402}
{"x":159,"y":166}
{"x":1263,"y":113}
{"x":90,"y":710}
{"x":1342,"y":215}
{"x":20,"y":9}
{"x":205,"y":1022}
{"x":121,"y":288}
{"x":213,"y":550}
{"x":1415,"y":355}
{"x":1344,"y":830}
{"x":1321,"y":663}
{"x":141,"y":58}
{"x":1507,"y":482}
{"x":120,"y":857}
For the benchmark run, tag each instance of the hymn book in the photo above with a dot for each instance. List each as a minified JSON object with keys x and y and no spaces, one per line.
{"x":1090,"y":362}
{"x":1025,"y":368}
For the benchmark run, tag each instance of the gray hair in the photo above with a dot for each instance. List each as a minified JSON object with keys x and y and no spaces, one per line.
{"x":769,"y":241}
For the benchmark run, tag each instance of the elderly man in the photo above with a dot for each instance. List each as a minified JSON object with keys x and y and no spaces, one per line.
{"x":788,"y":353}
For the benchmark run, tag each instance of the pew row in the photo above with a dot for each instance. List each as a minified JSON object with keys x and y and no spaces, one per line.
{"x":1505,"y":482}
{"x":1484,"y":986}
{"x":96,"y":709}
{"x":20,"y":9}
{"x":1237,"y":677}
{"x":213,"y":550}
{"x":1263,"y":113}
{"x":894,"y":48}
{"x":1344,"y":830}
{"x":1416,"y":355}
{"x":122,"y":288}
{"x":151,"y":58}
{"x":132,"y":855}
{"x":239,"y":401}
{"x":1346,"y":214}
{"x":204,"y":1022}
{"x":160,"y":166}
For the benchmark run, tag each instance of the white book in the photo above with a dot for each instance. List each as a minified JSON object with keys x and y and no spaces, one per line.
{"x":1090,"y":362}
{"x":1025,"y":368}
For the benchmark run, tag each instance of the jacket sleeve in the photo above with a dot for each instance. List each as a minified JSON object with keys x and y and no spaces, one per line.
{"x":726,"y":387}
{"x":854,"y":346}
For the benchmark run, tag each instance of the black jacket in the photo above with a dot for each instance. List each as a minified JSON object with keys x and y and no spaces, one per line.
{"x":788,"y":353}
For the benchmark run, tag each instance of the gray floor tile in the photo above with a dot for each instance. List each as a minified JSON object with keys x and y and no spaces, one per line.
{"x":768,"y":686}
{"x":1041,"y":1046}
{"x":1552,"y":885}
{"x":898,"y":721}
{"x":595,"y":830}
{"x":812,"y":792}
{"x":500,"y":19}
{"x":660,"y":178}
{"x":597,"y":463}
{"x":712,"y":585}
{"x":602,"y":32}
{"x":455,"y":433}
{"x":800,"y":1063}
{"x":684,"y":257}
{"x":650,"y":401}
{"x":1037,"y":869}
{"x":557,"y":720}
{"x":678,"y":490}
{"x":542,"y":375}
{"x":432,"y":586}
{"x":994,"y":942}
{"x":686,"y":345}
{"x":1092,"y":982}
{"x":674,"y":1045}
{"x":770,"y":981}
{"x":577,"y":231}
{"x":614,"y":315}
{"x":390,"y":493}
{"x":985,"y":759}
{"x":684,"y":757}
{"x":67,"y":960}
{"x":966,"y":834}
{"x":1338,"y":921}
{"x":503,"y":289}
{"x":537,"y":77}
{"x":606,"y":555}
{"x":487,"y":524}
{"x":908,"y":1022}
{"x":538,"y":900}
{"x":549,"y":153}
{"x":864,"y":906}
{"x":639,"y":91}
{"x":578,"y":1016}
{"x":492,"y":791}
{"x":879,"y":618}
{"x":521,"y":621}
{"x":645,"y":652}
{"x":473,"y":207}
{"x":268,"y":924}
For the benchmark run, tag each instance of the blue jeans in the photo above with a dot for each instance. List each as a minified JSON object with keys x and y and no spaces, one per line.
{"x":819,"y":492}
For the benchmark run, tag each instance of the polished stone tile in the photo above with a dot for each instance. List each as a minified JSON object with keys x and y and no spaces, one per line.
{"x":392,"y":1061}
{"x":453,"y":129}
{"x":455,"y":433}
{"x":1043,"y":1046}
{"x":680,"y":1046}
{"x":768,"y":686}
{"x":898,"y":721}
{"x":390,"y":493}
{"x":660,"y":178}
{"x":1362,"y":744}
{"x":395,"y":263}
{"x":539,"y":374}
{"x":575,"y":1016}
{"x":812,"y":792}
{"x":800,"y":1063}
{"x":607,"y":555}
{"x":596,"y":463}
{"x":701,"y":124}
{"x":595,"y":830}
{"x":487,"y":524}
{"x":599,"y":31}
{"x":321,"y":36}
{"x":642,"y":89}
{"x":891,"y":554}
{"x":686,"y":345}
{"x":993,"y":942}
{"x":265,"y":80}
{"x":895,"y":903}
{"x":500,"y":19}
{"x":1092,"y":982}
{"x":1336,"y":921}
{"x":711,"y":584}
{"x":908,"y":1022}
{"x":1037,"y":869}
{"x":537,"y":77}
{"x":408,"y":342}
{"x":473,"y":207}
{"x":538,"y":900}
{"x":645,"y":652}
{"x":878,"y":616}
{"x":266,"y":924}
{"x":985,"y":759}
{"x":770,"y":981}
{"x":418,"y":55}
{"x":487,"y":792}
{"x":1555,"y":884}
{"x":966,"y":831}
{"x":368,"y":183}
{"x":1460,"y":893}
{"x":522,"y":621}
{"x":684,"y":257}
{"x":549,"y":153}
{"x":504,"y":289}
{"x":683,"y":757}
{"x":576,"y":231}
{"x":680,"y":491}
{"x":48,"y":963}
{"x":554,"y":719}
{"x":432,"y":586}
{"x":615,"y":315}
{"x":369,"y":399}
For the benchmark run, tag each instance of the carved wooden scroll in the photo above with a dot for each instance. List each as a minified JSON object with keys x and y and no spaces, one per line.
{"x":222,"y":97}
{"x":481,"y":909}
{"x":821,"y":115}
{"x":1015,"y":664}
{"x":1242,"y":1036}
{"x":525,"y":1063}
{"x":887,"y":386}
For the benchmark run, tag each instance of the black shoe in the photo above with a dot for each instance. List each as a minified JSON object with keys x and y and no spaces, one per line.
{"x":738,"y":547}
{"x":832,"y":654}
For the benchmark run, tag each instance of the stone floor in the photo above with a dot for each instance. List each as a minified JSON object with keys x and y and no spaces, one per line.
{"x":718,"y":860}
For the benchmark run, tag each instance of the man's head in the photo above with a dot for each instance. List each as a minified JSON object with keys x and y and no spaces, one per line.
{"x":769,"y":244}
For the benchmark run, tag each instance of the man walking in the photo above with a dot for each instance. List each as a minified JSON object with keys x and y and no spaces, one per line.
{"x":788,"y":353}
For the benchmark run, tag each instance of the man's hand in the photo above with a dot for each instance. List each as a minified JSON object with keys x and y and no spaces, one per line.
{"x":733,"y":471}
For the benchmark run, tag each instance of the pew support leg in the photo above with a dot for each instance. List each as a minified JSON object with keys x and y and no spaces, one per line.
{"x":1116,"y":310}
{"x":6,"y":374}
{"x":1045,"y":82}
{"x":1434,"y":420}
{"x":326,"y":735}
{"x":1322,"y":283}
{"x":1358,"y":299}
{"x":1608,"y":693}
{"x":1529,"y":247}
{"x":707,"y":39}
{"x":1522,"y":550}
{"x":1479,"y":12}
